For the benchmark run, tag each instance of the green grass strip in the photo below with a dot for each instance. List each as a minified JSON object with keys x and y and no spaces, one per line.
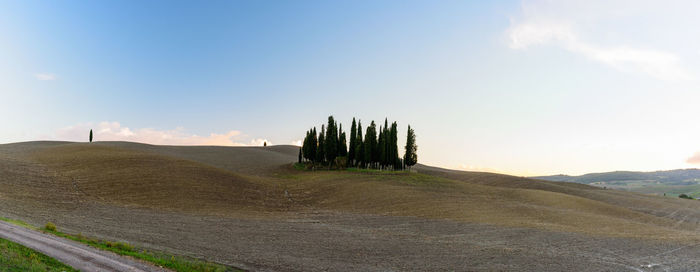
{"x":18,"y":223}
{"x":15,"y":258}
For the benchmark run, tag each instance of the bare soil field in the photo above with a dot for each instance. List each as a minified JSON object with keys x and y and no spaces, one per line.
{"x":249,"y":208}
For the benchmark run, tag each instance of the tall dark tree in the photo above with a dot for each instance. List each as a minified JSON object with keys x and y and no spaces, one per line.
{"x":381,"y":147}
{"x":91,"y":135}
{"x":394,"y":147}
{"x":375,"y":146}
{"x":331,"y":140}
{"x":305,"y":146}
{"x":309,"y":147}
{"x":313,"y":145}
{"x":321,"y":151}
{"x":342,"y":142}
{"x":370,"y":145}
{"x":300,"y":155}
{"x":386,"y":161}
{"x":411,"y":156}
{"x":359,"y":146}
{"x":353,"y":144}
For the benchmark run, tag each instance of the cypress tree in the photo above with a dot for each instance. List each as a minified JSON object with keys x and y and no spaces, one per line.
{"x":370,"y":145}
{"x":299,"y":154}
{"x":385,"y":147}
{"x":91,"y":135}
{"x":359,"y":146}
{"x":393,"y":146}
{"x":321,"y":152}
{"x":305,"y":146}
{"x":313,"y":148}
{"x":331,"y":140}
{"x":342,"y":143}
{"x":411,"y":157}
{"x":353,"y":144}
{"x":375,"y":146}
{"x":381,"y":147}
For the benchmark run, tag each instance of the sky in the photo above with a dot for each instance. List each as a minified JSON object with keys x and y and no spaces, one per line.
{"x":517,"y":87}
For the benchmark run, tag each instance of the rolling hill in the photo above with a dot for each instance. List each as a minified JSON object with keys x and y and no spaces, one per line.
{"x":674,"y":177}
{"x":670,"y":183}
{"x":98,"y":187}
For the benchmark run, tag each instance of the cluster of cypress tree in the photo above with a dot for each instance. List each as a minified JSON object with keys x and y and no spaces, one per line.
{"x":374,"y":150}
{"x":327,"y":146}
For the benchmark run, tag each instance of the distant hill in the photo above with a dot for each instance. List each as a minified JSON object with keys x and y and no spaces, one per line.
{"x":670,"y":177}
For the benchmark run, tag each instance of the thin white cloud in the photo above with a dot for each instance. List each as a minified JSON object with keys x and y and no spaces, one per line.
{"x":695,"y":159}
{"x":114,"y":131}
{"x":547,"y":23}
{"x":45,"y":76}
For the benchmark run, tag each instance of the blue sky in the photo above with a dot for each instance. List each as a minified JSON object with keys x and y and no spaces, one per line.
{"x":519,"y":87}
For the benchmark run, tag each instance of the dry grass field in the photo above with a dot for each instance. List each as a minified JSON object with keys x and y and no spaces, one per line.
{"x":247,"y":206}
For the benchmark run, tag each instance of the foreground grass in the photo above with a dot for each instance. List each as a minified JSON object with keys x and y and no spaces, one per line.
{"x":15,"y":257}
{"x":177,"y":263}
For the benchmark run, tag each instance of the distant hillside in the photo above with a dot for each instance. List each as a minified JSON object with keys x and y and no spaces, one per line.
{"x":670,"y":177}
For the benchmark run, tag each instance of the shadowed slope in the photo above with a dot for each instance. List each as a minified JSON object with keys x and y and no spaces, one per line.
{"x":140,"y":178}
{"x":249,"y":160}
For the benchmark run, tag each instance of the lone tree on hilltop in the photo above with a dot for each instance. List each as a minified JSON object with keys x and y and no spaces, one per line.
{"x":91,"y":135}
{"x":411,"y":157}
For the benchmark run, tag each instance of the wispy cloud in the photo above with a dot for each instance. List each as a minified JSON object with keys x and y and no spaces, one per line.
{"x":695,"y":159}
{"x":548,"y":23}
{"x":45,"y":76}
{"x":114,"y":131}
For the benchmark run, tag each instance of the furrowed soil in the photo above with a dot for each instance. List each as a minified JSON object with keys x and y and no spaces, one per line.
{"x":248,"y":207}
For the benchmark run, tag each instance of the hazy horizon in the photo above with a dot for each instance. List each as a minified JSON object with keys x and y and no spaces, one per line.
{"x":525,"y":88}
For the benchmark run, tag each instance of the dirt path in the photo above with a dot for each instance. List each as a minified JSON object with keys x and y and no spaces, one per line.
{"x":73,"y":254}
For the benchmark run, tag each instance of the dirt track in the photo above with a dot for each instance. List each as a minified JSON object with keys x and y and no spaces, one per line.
{"x":73,"y":254}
